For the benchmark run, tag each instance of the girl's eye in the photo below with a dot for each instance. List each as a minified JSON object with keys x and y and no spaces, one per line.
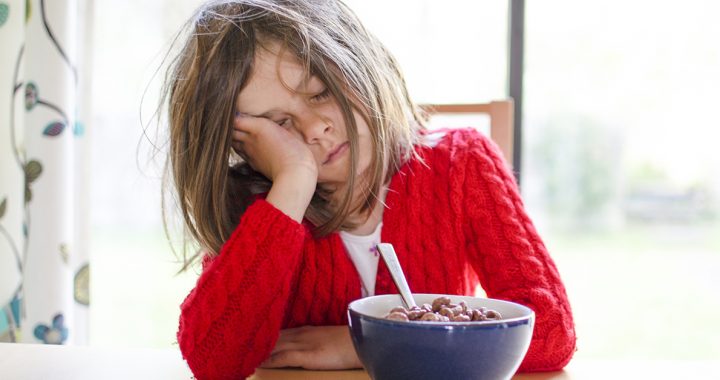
{"x":321,"y":96}
{"x":283,"y":122}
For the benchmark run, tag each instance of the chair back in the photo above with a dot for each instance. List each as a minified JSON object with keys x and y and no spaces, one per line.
{"x":501,"y":120}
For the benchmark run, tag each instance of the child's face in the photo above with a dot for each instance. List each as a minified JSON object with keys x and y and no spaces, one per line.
{"x":309,"y":111}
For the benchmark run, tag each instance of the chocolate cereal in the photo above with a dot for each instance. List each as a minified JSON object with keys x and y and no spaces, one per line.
{"x":442,"y":310}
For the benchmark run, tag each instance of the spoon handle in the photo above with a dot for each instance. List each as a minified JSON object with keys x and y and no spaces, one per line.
{"x":388,"y":254}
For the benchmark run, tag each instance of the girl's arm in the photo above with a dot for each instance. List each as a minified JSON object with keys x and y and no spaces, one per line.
{"x":509,"y":257}
{"x":231,"y":320}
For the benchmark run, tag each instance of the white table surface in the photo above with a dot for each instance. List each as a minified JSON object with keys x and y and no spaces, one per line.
{"x":50,"y":362}
{"x":47,"y":362}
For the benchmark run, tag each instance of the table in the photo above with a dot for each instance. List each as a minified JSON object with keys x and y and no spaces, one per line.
{"x":40,"y":362}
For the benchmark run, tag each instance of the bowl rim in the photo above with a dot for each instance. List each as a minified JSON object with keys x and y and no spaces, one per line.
{"x":506,"y":322}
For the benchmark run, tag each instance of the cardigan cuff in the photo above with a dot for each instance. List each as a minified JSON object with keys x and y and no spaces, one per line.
{"x":267,"y":225}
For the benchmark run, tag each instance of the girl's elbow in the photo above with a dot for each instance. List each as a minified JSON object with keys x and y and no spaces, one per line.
{"x":211,"y":366}
{"x":552,"y":354}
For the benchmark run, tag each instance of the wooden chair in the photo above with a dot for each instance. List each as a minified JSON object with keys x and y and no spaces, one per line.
{"x":501,"y":120}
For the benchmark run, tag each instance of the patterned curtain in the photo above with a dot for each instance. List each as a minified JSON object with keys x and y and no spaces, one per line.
{"x":44,"y":272}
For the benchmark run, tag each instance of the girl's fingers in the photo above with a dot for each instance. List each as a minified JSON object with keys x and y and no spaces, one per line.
{"x":287,"y":346}
{"x":287,"y":340}
{"x":289,"y":337}
{"x":240,"y":136}
{"x":284,"y":359}
{"x":252,"y":124}
{"x":292,"y":335}
{"x":238,"y":148}
{"x":246,"y":123}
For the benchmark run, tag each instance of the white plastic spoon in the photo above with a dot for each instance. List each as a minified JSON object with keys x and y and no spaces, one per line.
{"x":388,"y":254}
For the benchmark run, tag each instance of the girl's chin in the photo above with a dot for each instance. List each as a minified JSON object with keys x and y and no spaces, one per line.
{"x":335,"y":179}
{"x":329,"y":184}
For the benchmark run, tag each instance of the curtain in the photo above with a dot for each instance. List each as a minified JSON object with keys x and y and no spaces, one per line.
{"x":44,"y":272}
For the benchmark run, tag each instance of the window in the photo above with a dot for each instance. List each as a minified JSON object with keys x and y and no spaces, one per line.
{"x":135,"y":294}
{"x":450,"y":51}
{"x":620,"y":169}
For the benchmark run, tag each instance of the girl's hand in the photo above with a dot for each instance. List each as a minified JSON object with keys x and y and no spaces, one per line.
{"x":281,"y":157}
{"x":271,"y":149}
{"x":318,"y":348}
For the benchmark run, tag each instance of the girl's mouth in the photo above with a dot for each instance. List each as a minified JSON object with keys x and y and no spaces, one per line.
{"x":337,"y":153}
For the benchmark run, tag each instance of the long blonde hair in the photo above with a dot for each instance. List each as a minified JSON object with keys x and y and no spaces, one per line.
{"x":205,"y":78}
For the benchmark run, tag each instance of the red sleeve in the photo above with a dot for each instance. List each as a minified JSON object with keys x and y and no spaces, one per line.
{"x":231,"y":320}
{"x":509,"y":257}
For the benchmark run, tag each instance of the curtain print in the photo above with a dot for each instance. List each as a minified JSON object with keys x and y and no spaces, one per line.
{"x":12,"y":210}
{"x":44,"y":278}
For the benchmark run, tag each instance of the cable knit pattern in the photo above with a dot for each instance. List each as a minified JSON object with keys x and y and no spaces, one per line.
{"x":455,"y":219}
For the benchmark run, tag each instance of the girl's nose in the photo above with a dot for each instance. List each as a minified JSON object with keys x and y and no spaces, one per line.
{"x":315,"y":128}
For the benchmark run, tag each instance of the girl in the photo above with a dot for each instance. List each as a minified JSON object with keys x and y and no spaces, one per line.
{"x":294,"y":149}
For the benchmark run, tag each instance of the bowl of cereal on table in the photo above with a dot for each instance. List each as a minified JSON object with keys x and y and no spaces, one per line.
{"x":444,"y":337}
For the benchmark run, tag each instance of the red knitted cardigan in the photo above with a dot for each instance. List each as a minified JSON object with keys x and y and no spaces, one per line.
{"x":455,"y":220}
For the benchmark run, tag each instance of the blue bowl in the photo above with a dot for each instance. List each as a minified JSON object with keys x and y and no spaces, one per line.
{"x":397,"y":350}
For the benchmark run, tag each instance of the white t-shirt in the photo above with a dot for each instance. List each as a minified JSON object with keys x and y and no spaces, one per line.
{"x":364,"y":255}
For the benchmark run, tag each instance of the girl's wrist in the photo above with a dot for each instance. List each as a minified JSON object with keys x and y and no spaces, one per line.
{"x":291,"y":193}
